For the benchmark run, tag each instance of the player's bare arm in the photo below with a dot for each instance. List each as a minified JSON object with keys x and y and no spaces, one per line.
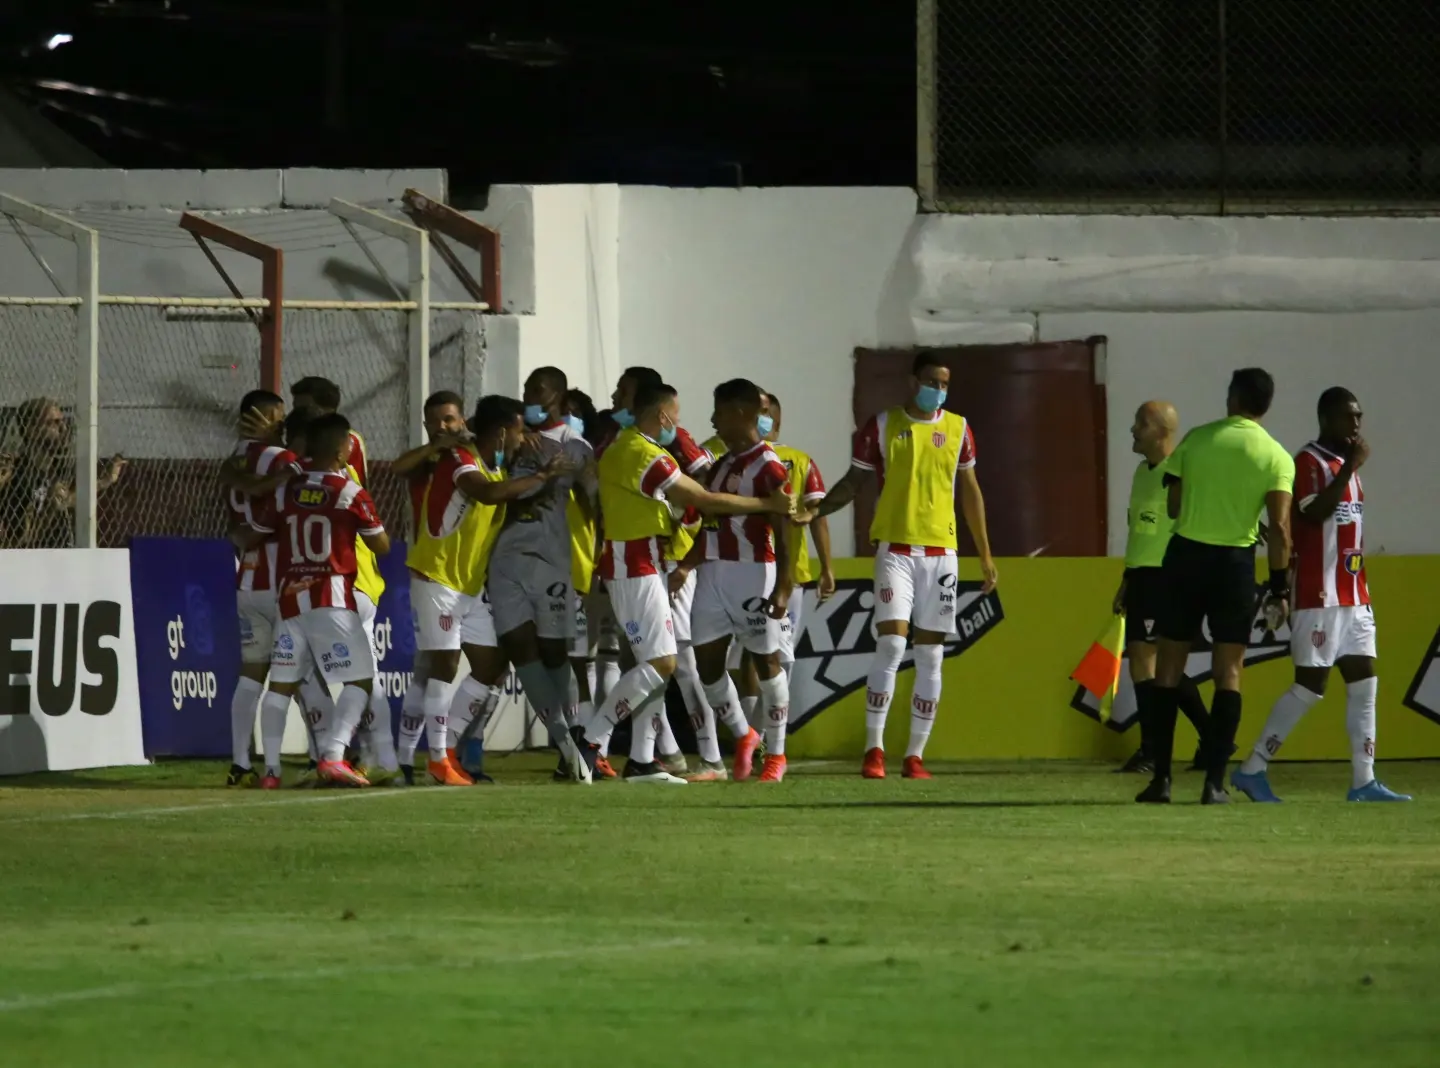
{"x":1277,"y":549}
{"x":778,"y":603}
{"x":1322,"y":506}
{"x":841,"y":494}
{"x":481,"y":490}
{"x":379,"y":544}
{"x":688,"y":493}
{"x":414,"y":460}
{"x":972,"y":507}
{"x":820,"y":531}
{"x":693,"y":559}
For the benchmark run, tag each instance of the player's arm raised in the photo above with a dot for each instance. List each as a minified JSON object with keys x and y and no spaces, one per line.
{"x":481,"y":490}
{"x":412,"y":460}
{"x":1318,"y":503}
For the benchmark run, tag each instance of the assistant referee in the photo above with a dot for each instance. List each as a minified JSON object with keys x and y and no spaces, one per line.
{"x":1219,"y":479}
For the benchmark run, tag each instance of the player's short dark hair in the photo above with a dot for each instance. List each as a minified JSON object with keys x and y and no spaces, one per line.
{"x":297,"y":426}
{"x":325,"y":435}
{"x":652,"y":396}
{"x":774,"y":400}
{"x":1333,"y":398}
{"x":550,"y":377}
{"x":583,"y":408}
{"x":259,"y":398}
{"x":643,"y":376}
{"x":496,"y":411}
{"x":325,"y":393}
{"x":442,"y":397}
{"x":925,"y":359}
{"x":1253,"y":389}
{"x":738,"y":391}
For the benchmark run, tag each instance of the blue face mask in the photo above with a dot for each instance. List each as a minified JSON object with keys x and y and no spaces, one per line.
{"x":575,"y":423}
{"x":623,"y":417}
{"x":535,"y":415}
{"x":930,"y":399}
{"x":666,"y":438}
{"x":764,"y":424}
{"x":498,"y":460}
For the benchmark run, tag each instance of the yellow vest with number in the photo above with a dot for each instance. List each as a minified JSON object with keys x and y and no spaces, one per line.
{"x":917,"y":505}
{"x":460,"y":558}
{"x":629,"y":514}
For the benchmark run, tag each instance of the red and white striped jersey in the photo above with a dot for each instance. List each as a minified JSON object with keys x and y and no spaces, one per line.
{"x":756,"y":472}
{"x":359,"y":457}
{"x":1328,"y":566}
{"x":255,"y":570}
{"x":637,"y":556}
{"x":317,"y":518}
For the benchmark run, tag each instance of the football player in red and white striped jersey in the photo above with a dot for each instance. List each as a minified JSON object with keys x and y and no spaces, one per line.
{"x":744,"y":579}
{"x":320,"y":396}
{"x":256,"y":464}
{"x":318,"y":518}
{"x":1332,"y":624}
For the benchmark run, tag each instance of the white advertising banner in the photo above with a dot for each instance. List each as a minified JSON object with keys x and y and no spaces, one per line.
{"x":69,"y":696}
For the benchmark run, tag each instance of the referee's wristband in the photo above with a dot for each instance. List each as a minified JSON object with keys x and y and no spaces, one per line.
{"x":1279,"y":583}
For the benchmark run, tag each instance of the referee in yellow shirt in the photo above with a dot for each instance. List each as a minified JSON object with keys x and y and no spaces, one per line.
{"x":1219,"y":480}
{"x":1141,"y":591}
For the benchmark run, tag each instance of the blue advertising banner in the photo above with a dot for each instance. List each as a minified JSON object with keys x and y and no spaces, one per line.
{"x":394,"y":633}
{"x":187,"y":643}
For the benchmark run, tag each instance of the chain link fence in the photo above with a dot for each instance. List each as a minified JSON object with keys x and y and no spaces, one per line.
{"x":1207,"y":106}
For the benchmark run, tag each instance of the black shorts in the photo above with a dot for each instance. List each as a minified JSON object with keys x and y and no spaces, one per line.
{"x":1208,"y":582}
{"x":1144,"y":598}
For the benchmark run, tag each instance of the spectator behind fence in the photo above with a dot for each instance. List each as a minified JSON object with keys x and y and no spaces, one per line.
{"x":37,"y":479}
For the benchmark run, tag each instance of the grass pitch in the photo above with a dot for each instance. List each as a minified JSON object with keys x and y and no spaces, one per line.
{"x":999,"y":915}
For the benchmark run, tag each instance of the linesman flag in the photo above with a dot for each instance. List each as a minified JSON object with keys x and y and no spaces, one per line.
{"x":1099,"y":671}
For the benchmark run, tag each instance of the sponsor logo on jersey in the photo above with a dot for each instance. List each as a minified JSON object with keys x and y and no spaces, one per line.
{"x":1264,"y":645}
{"x":836,"y":641}
{"x":1353,"y":561}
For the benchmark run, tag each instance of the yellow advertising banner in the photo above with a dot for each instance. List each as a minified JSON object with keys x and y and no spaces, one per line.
{"x":1007,"y":692}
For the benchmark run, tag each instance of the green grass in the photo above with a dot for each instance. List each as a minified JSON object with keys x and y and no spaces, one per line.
{"x":999,"y":915}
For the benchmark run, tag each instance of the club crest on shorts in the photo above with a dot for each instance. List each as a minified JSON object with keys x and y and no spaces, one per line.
{"x":938,"y":438}
{"x":446,"y":622}
{"x":1317,"y":639}
{"x":886,"y":595}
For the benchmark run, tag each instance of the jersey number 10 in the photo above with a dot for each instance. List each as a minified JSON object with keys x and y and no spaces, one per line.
{"x":309,"y":538}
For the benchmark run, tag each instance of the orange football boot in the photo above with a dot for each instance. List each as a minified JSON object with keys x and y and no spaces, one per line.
{"x":915,"y":769}
{"x":603,"y":770}
{"x":773,"y":769}
{"x":874,"y":765}
{"x":448,"y":772}
{"x":745,"y":754}
{"x":340,"y":773}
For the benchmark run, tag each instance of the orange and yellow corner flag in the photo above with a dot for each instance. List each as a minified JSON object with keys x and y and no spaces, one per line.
{"x":1099,"y":671}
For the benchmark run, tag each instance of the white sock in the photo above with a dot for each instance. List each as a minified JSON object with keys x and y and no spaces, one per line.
{"x":726,"y":702}
{"x":468,"y":702}
{"x":1284,"y":715}
{"x":412,"y":721}
{"x":607,"y":676}
{"x":776,"y":695}
{"x":645,"y":727}
{"x":319,"y":709}
{"x":634,"y":687}
{"x":375,"y":729}
{"x":1360,"y":723}
{"x":925,"y":701}
{"x":437,"y":717}
{"x":244,"y":704}
{"x":665,"y":743}
{"x":750,"y":709}
{"x":702,"y":717}
{"x":274,"y":710}
{"x":348,"y":712}
{"x":880,"y":687}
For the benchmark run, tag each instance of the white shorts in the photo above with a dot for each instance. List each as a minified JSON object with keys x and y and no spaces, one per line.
{"x":1321,"y":636}
{"x":526,"y":589}
{"x":258,"y":612}
{"x":332,"y":638}
{"x":367,"y":611}
{"x":730,"y":601}
{"x":436,"y":612}
{"x":790,"y":626}
{"x":916,"y":589}
{"x":478,"y":626}
{"x":682,"y":605}
{"x":642,"y":614}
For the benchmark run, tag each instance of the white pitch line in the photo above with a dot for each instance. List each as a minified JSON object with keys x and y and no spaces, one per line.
{"x":25,"y":1003}
{"x":171,"y":810}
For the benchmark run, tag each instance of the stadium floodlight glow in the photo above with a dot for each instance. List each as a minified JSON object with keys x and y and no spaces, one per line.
{"x":57,"y":40}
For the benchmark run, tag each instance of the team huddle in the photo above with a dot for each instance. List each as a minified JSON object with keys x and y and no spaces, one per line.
{"x":598,"y":555}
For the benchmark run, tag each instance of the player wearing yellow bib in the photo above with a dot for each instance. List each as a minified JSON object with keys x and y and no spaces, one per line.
{"x":639,"y":482}
{"x":1141,"y":595}
{"x":457,"y":484}
{"x":920,"y":454}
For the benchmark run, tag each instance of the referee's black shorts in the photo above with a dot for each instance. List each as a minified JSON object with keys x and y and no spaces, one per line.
{"x":1207,"y":582}
{"x":1144,"y":599}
